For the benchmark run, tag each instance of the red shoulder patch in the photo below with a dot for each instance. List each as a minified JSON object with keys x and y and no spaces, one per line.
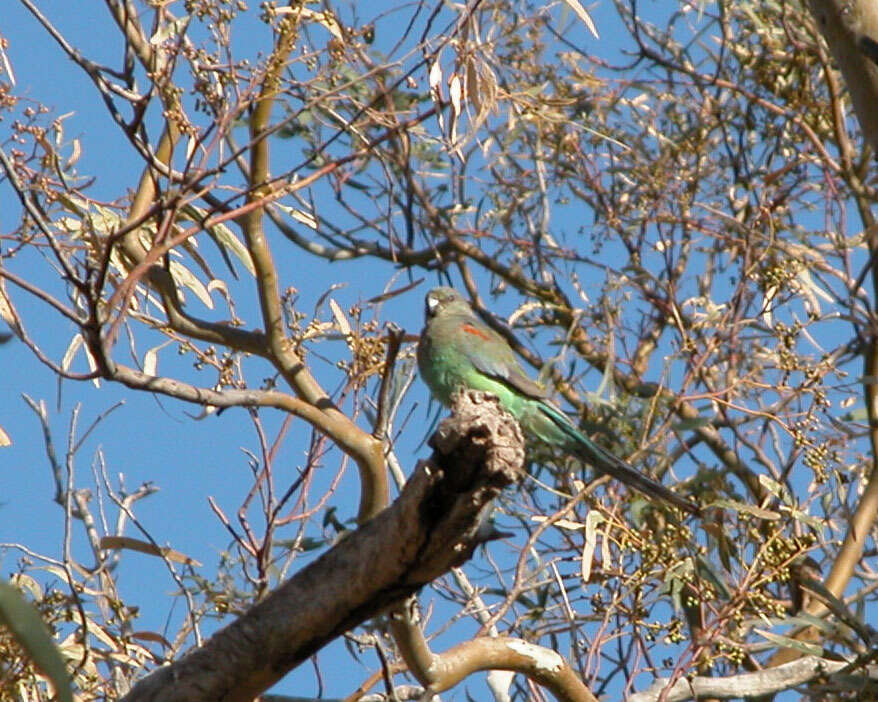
{"x":475,"y":331}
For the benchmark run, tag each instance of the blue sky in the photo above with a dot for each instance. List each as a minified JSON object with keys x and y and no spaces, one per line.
{"x":154,"y":439}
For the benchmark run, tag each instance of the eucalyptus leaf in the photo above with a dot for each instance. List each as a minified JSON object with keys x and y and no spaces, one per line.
{"x":27,"y":627}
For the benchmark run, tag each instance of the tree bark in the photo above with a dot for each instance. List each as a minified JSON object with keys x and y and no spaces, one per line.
{"x":433,"y":526}
{"x":763,"y":682}
{"x":850,"y":27}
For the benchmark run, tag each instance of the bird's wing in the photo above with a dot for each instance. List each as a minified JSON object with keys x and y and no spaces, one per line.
{"x":490,"y":354}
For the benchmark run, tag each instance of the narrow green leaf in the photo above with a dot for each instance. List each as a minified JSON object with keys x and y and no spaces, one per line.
{"x":22,"y":619}
{"x":747,"y":509}
{"x":812,"y":522}
{"x":223,"y":237}
{"x":787,"y":642}
{"x":775,"y":488}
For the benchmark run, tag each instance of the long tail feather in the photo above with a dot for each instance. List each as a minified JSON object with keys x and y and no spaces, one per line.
{"x":607,"y":463}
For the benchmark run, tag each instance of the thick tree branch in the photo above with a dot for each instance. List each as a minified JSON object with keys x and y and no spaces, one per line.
{"x":750,"y":685}
{"x":432,"y":526}
{"x":540,"y":664}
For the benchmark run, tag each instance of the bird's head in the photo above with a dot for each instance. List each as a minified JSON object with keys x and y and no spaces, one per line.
{"x":445,"y":300}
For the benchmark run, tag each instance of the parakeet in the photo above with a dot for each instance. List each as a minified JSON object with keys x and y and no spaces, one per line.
{"x":457,"y":349}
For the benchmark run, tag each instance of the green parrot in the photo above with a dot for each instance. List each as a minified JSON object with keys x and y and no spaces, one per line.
{"x":458,"y":350}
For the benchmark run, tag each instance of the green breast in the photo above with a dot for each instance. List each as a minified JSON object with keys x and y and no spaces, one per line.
{"x":442,"y":367}
{"x":445,"y":367}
